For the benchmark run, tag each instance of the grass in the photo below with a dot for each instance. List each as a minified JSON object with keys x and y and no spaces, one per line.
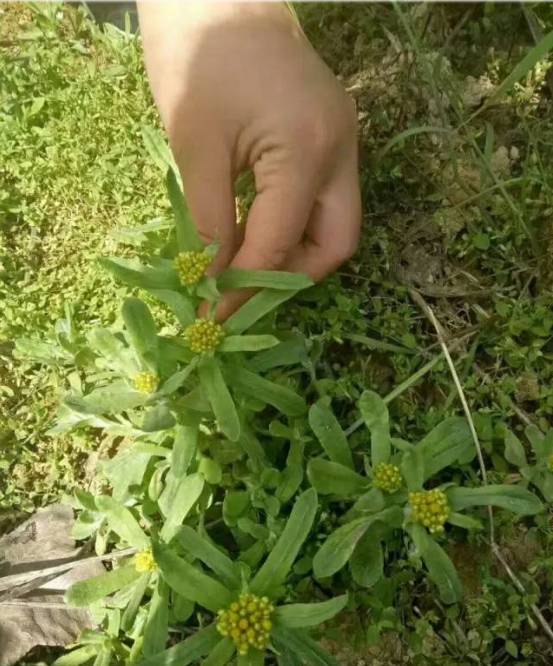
{"x":458,"y":204}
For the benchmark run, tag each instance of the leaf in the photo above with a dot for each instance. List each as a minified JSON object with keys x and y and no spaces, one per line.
{"x":513,"y":498}
{"x":179,"y":305}
{"x":177,"y":379}
{"x":236,"y":278}
{"x":375,"y":414}
{"x":445,"y":444}
{"x":203,"y":550}
{"x":111,"y":399}
{"x":156,"y":629}
{"x":282,"y":398}
{"x":412,"y":469}
{"x":306,"y":649}
{"x":77,"y":657}
{"x":275,"y":569}
{"x":220,"y":399}
{"x":184,"y":449}
{"x":122,"y":522}
{"x":221,"y":654}
{"x":287,"y":352}
{"x":190,"y":582}
{"x":177,"y":500}
{"x":330,"y":435}
{"x":86,"y":592}
{"x":188,"y":651}
{"x":131,"y":610}
{"x":536,"y":439}
{"x":297,"y":616}
{"x":255,"y":308}
{"x":141,"y":328}
{"x":367,"y":561}
{"x":157,"y":418}
{"x":466,"y":522}
{"x":330,"y":478}
{"x":235,"y":504}
{"x":413,"y":131}
{"x":252,"y":658}
{"x":187,"y":234}
{"x":135,"y":274}
{"x":158,"y":149}
{"x":440,"y":568}
{"x":514,"y":451}
{"x":247,"y":343}
{"x":290,"y":481}
{"x":128,"y":467}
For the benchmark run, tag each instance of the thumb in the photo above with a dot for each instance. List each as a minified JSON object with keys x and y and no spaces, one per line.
{"x":275,"y":227}
{"x":208,"y":186}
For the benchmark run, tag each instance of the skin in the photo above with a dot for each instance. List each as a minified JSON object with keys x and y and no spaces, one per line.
{"x":239,"y":87}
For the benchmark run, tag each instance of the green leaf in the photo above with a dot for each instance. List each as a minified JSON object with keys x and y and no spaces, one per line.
{"x":375,"y":414}
{"x":367,"y":561}
{"x":157,"y":418}
{"x":290,"y":481}
{"x":127,"y":468}
{"x":256,"y":308}
{"x":536,"y":439}
{"x":185,"y":444}
{"x":514,"y":451}
{"x":275,"y":569}
{"x":466,"y":522}
{"x":190,"y":582}
{"x":330,"y":435}
{"x":440,"y":568}
{"x":252,"y":658}
{"x":204,"y":550}
{"x":177,"y":379}
{"x":247,"y":343}
{"x":306,"y":649}
{"x":412,"y":469}
{"x":221,"y":654}
{"x":412,"y":131}
{"x":187,"y":234}
{"x":131,"y":610}
{"x":86,"y":592}
{"x":236,"y":278}
{"x":179,"y":305}
{"x":187,"y":652}
{"x":330,"y":478}
{"x":282,"y":398}
{"x":111,"y":399}
{"x":447,"y":443}
{"x":513,"y":498}
{"x":297,"y":616}
{"x":177,"y":500}
{"x":287,"y":352}
{"x":122,"y":522}
{"x":156,"y":629}
{"x":135,"y":274}
{"x":220,"y":399}
{"x":157,"y":149}
{"x":370,"y":502}
{"x":235,"y":504}
{"x":76,"y":657}
{"x":141,"y":328}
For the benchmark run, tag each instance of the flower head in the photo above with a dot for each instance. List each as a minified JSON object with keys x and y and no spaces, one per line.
{"x":144,"y":561}
{"x":247,"y":622}
{"x":204,"y":335}
{"x":191,"y":266}
{"x":145,"y":382}
{"x":430,"y":508}
{"x":387,"y":477}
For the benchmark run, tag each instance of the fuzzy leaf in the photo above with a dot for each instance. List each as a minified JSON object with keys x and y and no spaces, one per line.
{"x":156,"y":629}
{"x":256,"y":308}
{"x":236,"y":278}
{"x":282,"y":398}
{"x":177,"y":500}
{"x":188,"y":651}
{"x":513,"y":498}
{"x":330,"y":478}
{"x":367,"y":561}
{"x":330,"y":434}
{"x":122,"y":522}
{"x":187,"y":234}
{"x":220,"y":399}
{"x":297,"y":616}
{"x":247,"y":343}
{"x":89,"y":591}
{"x":375,"y":414}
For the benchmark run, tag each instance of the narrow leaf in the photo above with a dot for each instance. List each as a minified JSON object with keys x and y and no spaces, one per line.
{"x":248,"y":343}
{"x":330,"y":478}
{"x":184,"y":449}
{"x":131,"y":610}
{"x":236,"y":278}
{"x":179,"y":305}
{"x":156,"y":629}
{"x":514,"y":451}
{"x":513,"y":498}
{"x":187,"y":234}
{"x":447,"y":443}
{"x":375,"y":414}
{"x":176,"y":501}
{"x":220,"y":399}
{"x":276,"y":567}
{"x":135,"y":274}
{"x":256,"y":308}
{"x":86,"y":592}
{"x":282,"y":398}
{"x":157,"y":148}
{"x":141,"y":327}
{"x":221,"y":654}
{"x":187,"y":652}
{"x":122,"y":522}
{"x":367,"y":561}
{"x":305,"y":648}
{"x":297,"y":616}
{"x":330,"y":435}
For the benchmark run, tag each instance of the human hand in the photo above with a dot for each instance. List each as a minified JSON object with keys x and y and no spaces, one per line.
{"x":238,"y":86}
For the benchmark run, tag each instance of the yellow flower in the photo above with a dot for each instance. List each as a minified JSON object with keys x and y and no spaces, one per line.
{"x":430,"y":508}
{"x":145,"y":382}
{"x":550,"y":463}
{"x":144,"y":562}
{"x":191,"y":266}
{"x":247,"y":622}
{"x":387,"y":477}
{"x":204,"y":335}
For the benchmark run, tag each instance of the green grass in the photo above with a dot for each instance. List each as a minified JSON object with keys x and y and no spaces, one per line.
{"x":463,"y":214}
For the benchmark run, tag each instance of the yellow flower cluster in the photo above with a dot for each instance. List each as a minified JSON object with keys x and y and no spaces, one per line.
{"x":247,"y":622}
{"x":204,"y":335}
{"x":387,"y":477}
{"x":550,"y":463}
{"x":144,"y":562}
{"x":191,"y":266}
{"x":146,"y":382}
{"x":430,"y":508}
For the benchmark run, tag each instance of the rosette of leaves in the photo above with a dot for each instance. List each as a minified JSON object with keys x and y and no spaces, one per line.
{"x":158,"y":375}
{"x":540,"y":472}
{"x":376,"y":512}
{"x":188,"y":575}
